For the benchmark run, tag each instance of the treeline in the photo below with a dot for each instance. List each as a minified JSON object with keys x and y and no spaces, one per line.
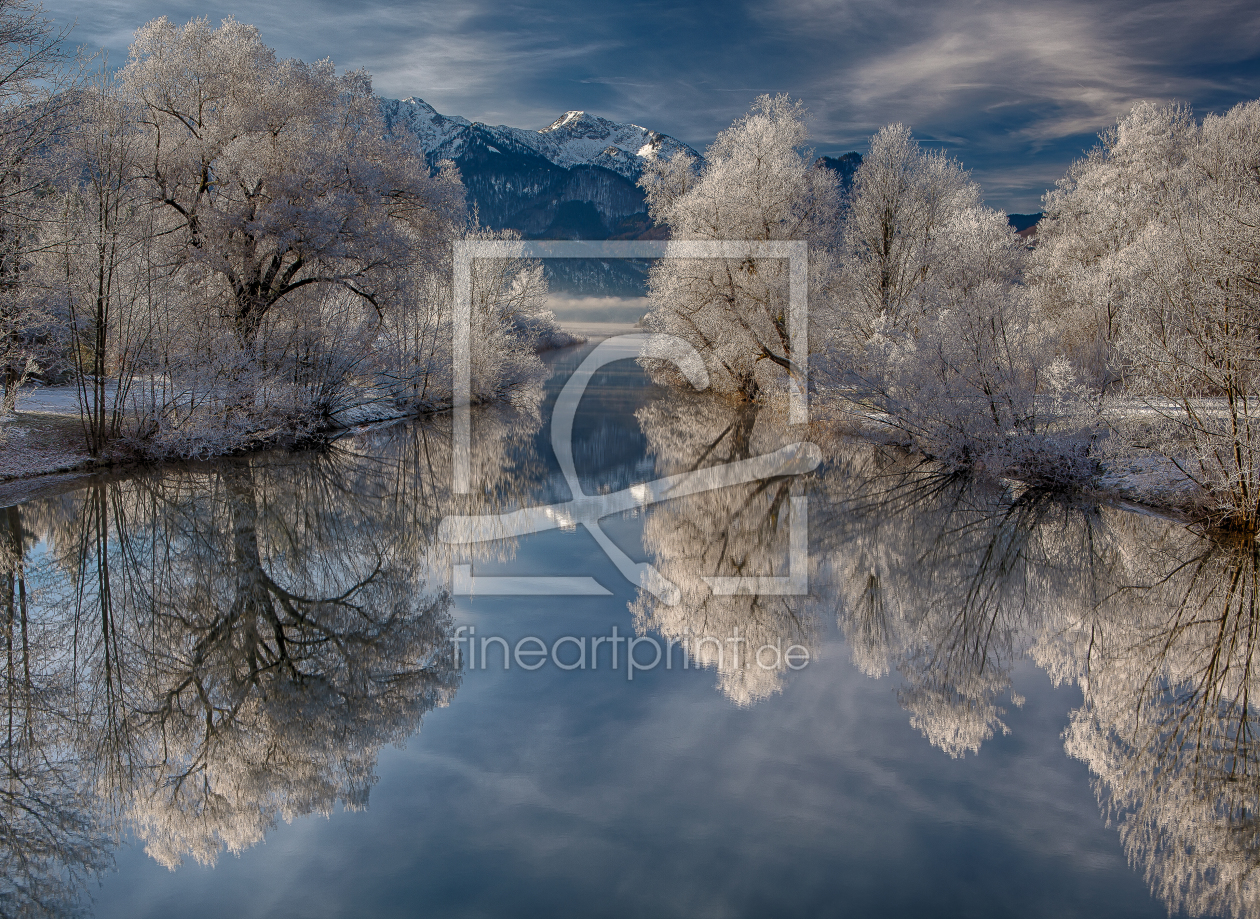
{"x":222,"y":248}
{"x":1124,"y":339}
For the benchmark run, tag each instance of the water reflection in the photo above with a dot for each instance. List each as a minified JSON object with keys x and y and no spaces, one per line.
{"x":951,"y":583}
{"x":258,"y":644}
{"x":50,"y":836}
{"x":737,"y":531}
{"x":1168,"y":725}
{"x":197,"y":653}
{"x":193,"y":655}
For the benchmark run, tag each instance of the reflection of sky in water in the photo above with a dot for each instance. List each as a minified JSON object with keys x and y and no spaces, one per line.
{"x":551,"y":793}
{"x":578,"y":793}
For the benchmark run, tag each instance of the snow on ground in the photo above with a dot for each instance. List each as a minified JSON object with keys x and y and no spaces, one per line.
{"x":1148,"y":480}
{"x":45,"y":436}
{"x":52,"y":400}
{"x":40,"y":443}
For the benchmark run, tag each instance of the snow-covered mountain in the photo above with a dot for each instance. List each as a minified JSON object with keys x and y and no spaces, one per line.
{"x":577,"y":137}
{"x":431,"y":129}
{"x":573,"y":139}
{"x":575,"y":179}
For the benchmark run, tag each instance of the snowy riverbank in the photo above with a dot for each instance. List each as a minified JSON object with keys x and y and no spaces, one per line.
{"x":42,"y":443}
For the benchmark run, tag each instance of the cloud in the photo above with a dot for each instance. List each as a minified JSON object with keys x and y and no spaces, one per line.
{"x":1006,"y":87}
{"x":1003,"y":82}
{"x":1043,"y":72}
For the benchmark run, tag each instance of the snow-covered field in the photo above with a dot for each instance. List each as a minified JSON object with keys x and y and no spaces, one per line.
{"x":40,"y":442}
{"x":51,"y":400}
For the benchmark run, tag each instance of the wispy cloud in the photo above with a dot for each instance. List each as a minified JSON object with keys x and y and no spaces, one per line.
{"x":1012,"y":89}
{"x":1058,"y":68}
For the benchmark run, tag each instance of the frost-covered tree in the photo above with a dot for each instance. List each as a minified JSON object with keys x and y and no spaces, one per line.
{"x":277,"y":175}
{"x":757,"y":182}
{"x":1151,"y":255}
{"x":1095,"y":213}
{"x":36,"y":89}
{"x":509,"y":324}
{"x":927,"y":322}
{"x":903,"y":200}
{"x":243,"y":255}
{"x":100,"y":257}
{"x":290,"y":225}
{"x":1193,"y":342}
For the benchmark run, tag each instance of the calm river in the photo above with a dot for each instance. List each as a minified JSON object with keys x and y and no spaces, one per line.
{"x":246,"y":688}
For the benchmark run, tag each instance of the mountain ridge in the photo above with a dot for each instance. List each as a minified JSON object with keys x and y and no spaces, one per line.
{"x":577,"y":178}
{"x":576,"y":138}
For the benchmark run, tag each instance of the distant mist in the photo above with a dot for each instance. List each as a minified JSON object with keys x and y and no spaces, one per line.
{"x":598,"y":309}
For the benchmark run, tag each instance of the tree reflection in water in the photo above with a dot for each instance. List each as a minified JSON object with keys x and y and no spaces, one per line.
{"x":1168,"y":726}
{"x":50,"y":834}
{"x":197,"y":654}
{"x":951,"y":583}
{"x":736,"y":531}
{"x":275,"y":638}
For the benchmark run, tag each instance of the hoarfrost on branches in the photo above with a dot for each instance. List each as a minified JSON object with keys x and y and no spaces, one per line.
{"x":758,"y":183}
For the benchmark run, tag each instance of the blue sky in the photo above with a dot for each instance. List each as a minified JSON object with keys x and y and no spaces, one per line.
{"x":1014,"y":90}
